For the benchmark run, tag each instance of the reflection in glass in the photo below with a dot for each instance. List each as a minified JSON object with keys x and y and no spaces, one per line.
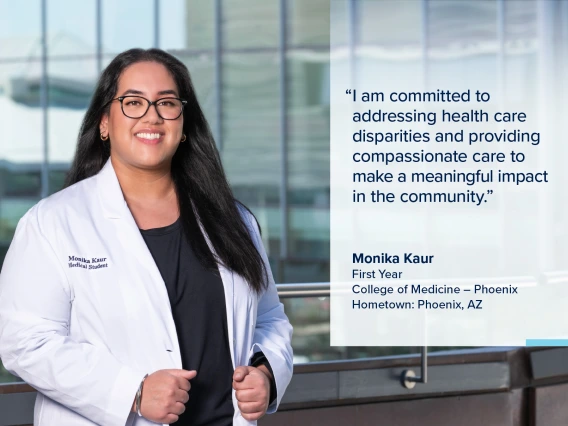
{"x":251,"y":136}
{"x":308,"y":22}
{"x":70,"y":87}
{"x":257,"y":25}
{"x":462,"y":26}
{"x":200,"y":24}
{"x":202,"y":71}
{"x":20,"y":32}
{"x":69,"y":33}
{"x":174,"y":23}
{"x":22,"y":140}
{"x":310,"y":318}
{"x":391,"y":24}
{"x":127,"y":24}
{"x":308,"y":167}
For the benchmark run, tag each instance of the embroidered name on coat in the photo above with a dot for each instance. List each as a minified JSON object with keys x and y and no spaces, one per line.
{"x":88,"y":263}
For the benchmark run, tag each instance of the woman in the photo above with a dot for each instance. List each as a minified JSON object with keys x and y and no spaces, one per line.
{"x":141,"y":293}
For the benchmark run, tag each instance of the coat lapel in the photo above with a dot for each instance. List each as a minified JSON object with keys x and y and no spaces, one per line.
{"x":115,"y":208}
{"x":144,"y":268}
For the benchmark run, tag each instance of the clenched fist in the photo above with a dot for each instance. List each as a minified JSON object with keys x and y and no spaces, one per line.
{"x":252,"y":387}
{"x":164,"y":394}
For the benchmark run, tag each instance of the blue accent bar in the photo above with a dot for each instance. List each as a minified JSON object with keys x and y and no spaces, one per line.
{"x":547,"y":342}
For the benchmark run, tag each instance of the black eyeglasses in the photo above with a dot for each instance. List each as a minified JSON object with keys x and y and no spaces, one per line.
{"x":137,"y":106}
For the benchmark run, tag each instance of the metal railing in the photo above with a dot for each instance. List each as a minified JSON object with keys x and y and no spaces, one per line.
{"x":493,"y":386}
{"x":452,"y":375}
{"x":408,"y":378}
{"x":290,"y":291}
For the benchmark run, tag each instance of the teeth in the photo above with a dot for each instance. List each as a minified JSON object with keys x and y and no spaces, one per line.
{"x":148,"y":135}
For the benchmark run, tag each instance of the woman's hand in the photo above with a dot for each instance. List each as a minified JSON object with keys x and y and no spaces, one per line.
{"x":252,"y":386}
{"x":164,"y":395}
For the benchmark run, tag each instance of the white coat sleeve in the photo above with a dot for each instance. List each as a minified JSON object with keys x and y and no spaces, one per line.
{"x":273,"y":332}
{"x":35,"y":306}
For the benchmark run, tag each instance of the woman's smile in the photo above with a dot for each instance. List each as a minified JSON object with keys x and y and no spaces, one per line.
{"x":149,"y":136}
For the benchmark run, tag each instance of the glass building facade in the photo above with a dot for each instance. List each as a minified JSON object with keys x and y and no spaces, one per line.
{"x":261,"y":72}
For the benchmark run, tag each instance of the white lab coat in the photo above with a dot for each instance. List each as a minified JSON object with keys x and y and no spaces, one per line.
{"x":84,"y":337}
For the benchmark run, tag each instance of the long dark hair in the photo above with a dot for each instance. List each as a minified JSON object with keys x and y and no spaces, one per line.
{"x":204,"y":195}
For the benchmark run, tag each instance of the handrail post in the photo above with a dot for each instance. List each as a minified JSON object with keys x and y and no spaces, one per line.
{"x":409,"y":379}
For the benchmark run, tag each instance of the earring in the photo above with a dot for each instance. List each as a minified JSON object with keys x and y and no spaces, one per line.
{"x":183,"y":138}
{"x":104,"y":138}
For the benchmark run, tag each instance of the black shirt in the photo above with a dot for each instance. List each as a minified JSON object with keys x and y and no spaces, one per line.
{"x":198,"y":306}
